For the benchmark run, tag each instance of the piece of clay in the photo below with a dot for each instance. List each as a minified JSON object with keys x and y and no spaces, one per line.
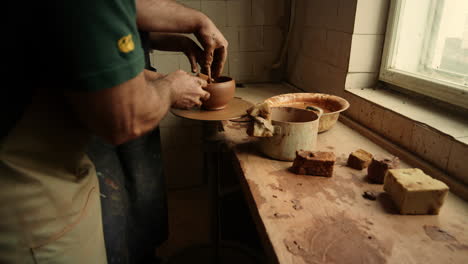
{"x":378,"y":168}
{"x":260,"y":126}
{"x":369,"y":195}
{"x":261,"y":109}
{"x":359,"y":159}
{"x":415,"y":192}
{"x":317,"y":163}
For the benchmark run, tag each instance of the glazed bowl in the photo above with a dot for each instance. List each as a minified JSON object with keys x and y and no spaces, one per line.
{"x":221,"y":93}
{"x":331,"y":105}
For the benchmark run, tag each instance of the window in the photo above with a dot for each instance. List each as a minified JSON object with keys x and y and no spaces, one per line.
{"x":426,"y":48}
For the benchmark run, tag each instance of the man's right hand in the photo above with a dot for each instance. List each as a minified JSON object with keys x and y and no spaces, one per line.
{"x":186,"y":90}
{"x":214,"y":48}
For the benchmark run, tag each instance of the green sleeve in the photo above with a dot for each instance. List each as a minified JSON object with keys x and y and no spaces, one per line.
{"x":100,"y":41}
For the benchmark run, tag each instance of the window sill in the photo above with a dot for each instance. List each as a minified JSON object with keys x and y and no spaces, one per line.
{"x":417,"y":110}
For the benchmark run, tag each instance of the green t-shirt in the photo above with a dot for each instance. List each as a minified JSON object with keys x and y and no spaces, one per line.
{"x":101,"y":43}
{"x":80,"y":45}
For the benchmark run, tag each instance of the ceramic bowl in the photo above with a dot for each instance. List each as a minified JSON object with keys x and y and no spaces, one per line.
{"x":331,"y":105}
{"x":221,"y":93}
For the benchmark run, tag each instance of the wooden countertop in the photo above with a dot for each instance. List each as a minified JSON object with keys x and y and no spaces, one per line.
{"x":307,"y":219}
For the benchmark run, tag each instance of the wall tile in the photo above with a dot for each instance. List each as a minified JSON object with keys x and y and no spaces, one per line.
{"x":320,"y":13}
{"x":371,"y":16}
{"x":251,"y":38}
{"x":314,"y":75}
{"x":216,"y":10}
{"x":166,"y":63}
{"x":295,"y":66}
{"x":241,"y":66}
{"x":262,"y":69}
{"x":366,"y":52}
{"x":276,"y":13}
{"x":354,"y":106}
{"x":397,"y":128}
{"x":300,"y":13}
{"x":258,"y":12}
{"x":314,"y":43}
{"x":239,"y":13}
{"x":338,"y":48}
{"x":344,"y":21}
{"x":431,"y":145}
{"x":232,"y":36}
{"x":371,"y":116}
{"x":273,"y":39}
{"x":458,"y":161}
{"x":335,"y":80}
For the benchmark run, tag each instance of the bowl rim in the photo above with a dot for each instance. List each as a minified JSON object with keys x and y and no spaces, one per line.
{"x":334,"y":97}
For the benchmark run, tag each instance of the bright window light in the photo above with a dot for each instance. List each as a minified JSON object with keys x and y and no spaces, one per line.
{"x":426,"y":48}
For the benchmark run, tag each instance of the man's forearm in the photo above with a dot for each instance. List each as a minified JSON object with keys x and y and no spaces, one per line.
{"x":169,"y":42}
{"x":167,"y":16}
{"x":125,"y":111}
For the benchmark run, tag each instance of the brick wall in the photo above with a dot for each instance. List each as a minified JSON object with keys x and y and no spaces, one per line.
{"x":255,"y":31}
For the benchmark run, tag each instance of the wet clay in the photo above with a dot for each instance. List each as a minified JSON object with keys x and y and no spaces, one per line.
{"x":221,"y":92}
{"x":437,"y":234}
{"x":337,"y":239}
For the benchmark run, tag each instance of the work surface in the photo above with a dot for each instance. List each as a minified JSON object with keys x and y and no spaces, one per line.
{"x":307,"y":219}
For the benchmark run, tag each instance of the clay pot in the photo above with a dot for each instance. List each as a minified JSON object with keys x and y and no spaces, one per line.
{"x":221,"y":93}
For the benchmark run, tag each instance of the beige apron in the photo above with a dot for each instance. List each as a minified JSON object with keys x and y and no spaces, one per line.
{"x":50,"y":208}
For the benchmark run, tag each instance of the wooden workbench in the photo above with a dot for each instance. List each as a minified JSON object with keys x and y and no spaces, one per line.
{"x":306,"y":219}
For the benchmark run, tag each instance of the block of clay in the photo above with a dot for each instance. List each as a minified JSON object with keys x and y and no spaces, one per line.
{"x":378,"y":168}
{"x":261,"y":109}
{"x":260,"y":127}
{"x":415,"y":192}
{"x":317,"y":163}
{"x":359,"y":159}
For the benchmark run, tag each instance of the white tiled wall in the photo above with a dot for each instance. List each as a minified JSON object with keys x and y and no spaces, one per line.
{"x":255,"y":32}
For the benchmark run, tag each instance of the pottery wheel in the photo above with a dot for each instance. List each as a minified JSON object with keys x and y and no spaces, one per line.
{"x":235,"y":109}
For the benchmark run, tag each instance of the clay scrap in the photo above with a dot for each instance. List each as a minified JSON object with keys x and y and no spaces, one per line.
{"x":261,"y":121}
{"x":378,"y":168}
{"x":318,"y":163}
{"x":369,"y":195}
{"x":415,"y":192}
{"x":359,"y":159}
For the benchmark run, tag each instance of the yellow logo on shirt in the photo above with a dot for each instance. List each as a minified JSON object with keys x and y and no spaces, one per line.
{"x":126,"y":44}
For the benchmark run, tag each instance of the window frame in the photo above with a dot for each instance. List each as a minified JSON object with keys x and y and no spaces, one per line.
{"x":445,"y":91}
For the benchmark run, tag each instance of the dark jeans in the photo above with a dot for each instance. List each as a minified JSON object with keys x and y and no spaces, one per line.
{"x":133,"y":197}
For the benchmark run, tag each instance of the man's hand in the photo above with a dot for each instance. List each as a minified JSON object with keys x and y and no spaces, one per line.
{"x":215,"y":48}
{"x":186,"y":90}
{"x":168,"y":16}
